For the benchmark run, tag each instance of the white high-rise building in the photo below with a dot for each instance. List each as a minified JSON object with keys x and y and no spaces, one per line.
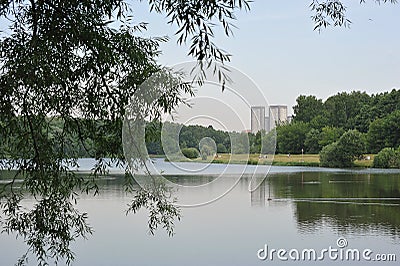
{"x":257,"y":118}
{"x":267,"y":124}
{"x":278,"y":114}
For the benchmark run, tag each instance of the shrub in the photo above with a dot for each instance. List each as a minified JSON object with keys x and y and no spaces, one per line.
{"x":330,"y":156}
{"x":221,"y":148}
{"x":352,"y":145}
{"x":343,"y":152}
{"x":291,"y":137}
{"x":311,"y":142}
{"x":384,"y":132}
{"x":387,"y":158}
{"x":191,"y":153}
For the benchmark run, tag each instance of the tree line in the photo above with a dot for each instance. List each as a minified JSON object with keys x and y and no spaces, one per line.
{"x":319,"y":123}
{"x":370,"y":123}
{"x":340,"y":129}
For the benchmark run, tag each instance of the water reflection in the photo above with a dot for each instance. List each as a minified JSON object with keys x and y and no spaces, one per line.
{"x":346,"y":202}
{"x":305,"y":206}
{"x":258,"y":196}
{"x":49,"y":222}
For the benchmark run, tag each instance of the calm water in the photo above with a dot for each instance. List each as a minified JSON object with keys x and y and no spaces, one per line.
{"x":310,"y":208}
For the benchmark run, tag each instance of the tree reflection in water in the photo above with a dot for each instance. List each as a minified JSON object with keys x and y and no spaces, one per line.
{"x":348,"y":202}
{"x":52,"y":222}
{"x":48,"y":228}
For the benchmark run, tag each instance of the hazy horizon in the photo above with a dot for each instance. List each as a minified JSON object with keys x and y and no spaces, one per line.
{"x":276,"y":46}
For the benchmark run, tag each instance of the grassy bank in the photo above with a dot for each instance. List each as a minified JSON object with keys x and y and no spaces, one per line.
{"x":278,"y":159}
{"x":313,"y":160}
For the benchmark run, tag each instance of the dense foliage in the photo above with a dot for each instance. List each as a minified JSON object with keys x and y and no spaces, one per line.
{"x":376,"y":116}
{"x":206,"y":139}
{"x":317,"y":125}
{"x":387,"y":158}
{"x":342,"y":153}
{"x":291,"y":137}
{"x":319,"y":129}
{"x":191,"y":153}
{"x":68,"y":69}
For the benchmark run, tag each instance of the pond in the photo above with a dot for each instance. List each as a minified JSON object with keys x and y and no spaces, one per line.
{"x":294,"y":209}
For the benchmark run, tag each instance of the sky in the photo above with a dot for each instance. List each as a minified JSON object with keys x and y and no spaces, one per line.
{"x":278,"y":51}
{"x":276,"y":46}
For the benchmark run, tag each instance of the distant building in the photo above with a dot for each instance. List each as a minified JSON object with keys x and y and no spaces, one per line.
{"x":257,"y":118}
{"x":267,"y":124}
{"x":278,"y":114}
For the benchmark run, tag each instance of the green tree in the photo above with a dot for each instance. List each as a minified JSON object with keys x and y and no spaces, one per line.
{"x":320,"y":121}
{"x":330,"y":156}
{"x":387,"y":158}
{"x":311,"y":143}
{"x":255,"y":141}
{"x":191,"y":153}
{"x":307,"y":108}
{"x":206,"y":151}
{"x":240,"y":143}
{"x":207,"y":146}
{"x":386,"y":103}
{"x":378,"y":106}
{"x":342,"y":153}
{"x":330,"y":135}
{"x":153,"y":138}
{"x":333,"y":13}
{"x":81,"y":62}
{"x":352,"y":144}
{"x":375,"y":136}
{"x":342,"y":108}
{"x":221,"y":148}
{"x":364,"y":118}
{"x":269,"y":143}
{"x":291,"y":137}
{"x":384,"y":132}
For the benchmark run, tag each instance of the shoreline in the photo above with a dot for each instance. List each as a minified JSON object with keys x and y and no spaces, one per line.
{"x":307,"y":160}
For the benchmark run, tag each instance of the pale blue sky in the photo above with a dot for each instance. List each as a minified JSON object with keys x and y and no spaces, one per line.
{"x":276,"y":46}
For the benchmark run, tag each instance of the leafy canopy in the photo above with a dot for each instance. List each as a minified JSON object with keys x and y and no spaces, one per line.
{"x":343,"y":152}
{"x":78,"y":64}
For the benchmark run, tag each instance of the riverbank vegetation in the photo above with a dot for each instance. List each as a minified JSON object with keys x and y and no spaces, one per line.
{"x":341,"y":130}
{"x":68,"y":71}
{"x":311,"y":160}
{"x":372,"y":120}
